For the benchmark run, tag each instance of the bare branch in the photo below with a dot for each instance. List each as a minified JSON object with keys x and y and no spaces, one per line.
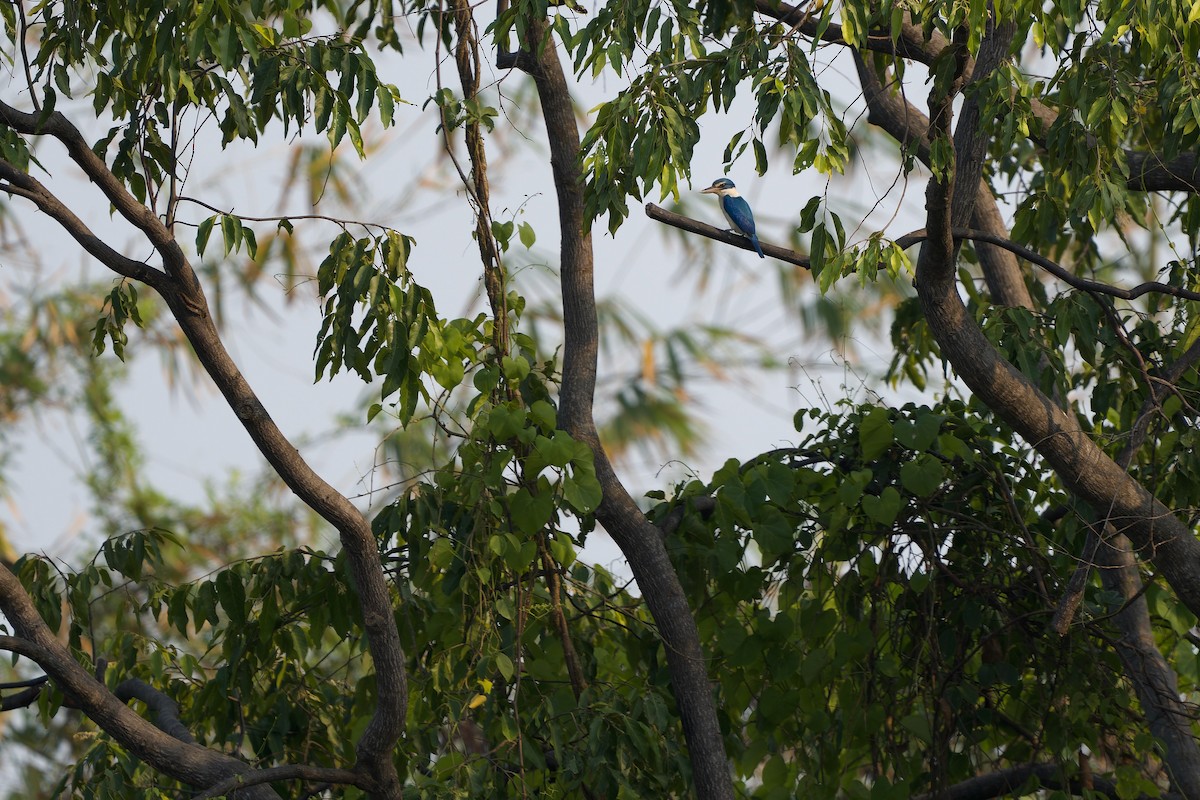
{"x":906,"y":241}
{"x":35,"y":682}
{"x":21,"y":184}
{"x":343,"y":223}
{"x":1055,"y":269}
{"x":33,"y":688}
{"x":56,"y":125}
{"x":660,"y":214}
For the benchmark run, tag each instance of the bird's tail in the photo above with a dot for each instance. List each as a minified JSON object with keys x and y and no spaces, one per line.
{"x":757,"y":246}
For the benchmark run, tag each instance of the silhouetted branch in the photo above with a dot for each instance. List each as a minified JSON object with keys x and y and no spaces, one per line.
{"x":906,"y":241}
{"x":1008,"y":781}
{"x":290,"y":772}
{"x":1055,"y":269}
{"x":22,"y":699}
{"x":21,"y":184}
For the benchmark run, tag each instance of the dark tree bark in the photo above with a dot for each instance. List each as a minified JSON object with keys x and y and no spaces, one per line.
{"x":178,"y":285}
{"x":187,"y":762}
{"x":1153,"y":679}
{"x":1005,"y":782}
{"x":637,"y":537}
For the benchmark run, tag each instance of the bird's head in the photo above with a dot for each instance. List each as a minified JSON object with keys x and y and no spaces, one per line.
{"x":721,"y":186}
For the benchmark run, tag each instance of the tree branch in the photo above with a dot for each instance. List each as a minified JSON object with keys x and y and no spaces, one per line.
{"x":660,"y":214}
{"x":1083,"y":467}
{"x":1057,"y":270}
{"x":23,"y":699}
{"x":185,"y":297}
{"x":1010,"y":780}
{"x":56,"y":125}
{"x":909,"y":44}
{"x":890,"y":111}
{"x":382,"y":733}
{"x":190,"y":763}
{"x":164,"y":708}
{"x":970,"y":141}
{"x":288,"y":772}
{"x":1148,"y":172}
{"x":22,"y":184}
{"x":1153,"y":679}
{"x":638,"y":539}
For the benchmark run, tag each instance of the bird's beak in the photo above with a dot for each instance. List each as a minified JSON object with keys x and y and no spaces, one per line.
{"x":710,"y":190}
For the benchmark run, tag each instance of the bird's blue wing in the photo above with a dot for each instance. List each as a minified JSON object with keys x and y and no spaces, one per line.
{"x":738,"y":211}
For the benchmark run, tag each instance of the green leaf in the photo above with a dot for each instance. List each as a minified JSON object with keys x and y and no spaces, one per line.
{"x":232,"y":595}
{"x":530,"y":512}
{"x":581,"y":490}
{"x":884,"y":508}
{"x":203,"y":231}
{"x":505,"y":422}
{"x":527,"y":235}
{"x":544,"y":415}
{"x":515,"y":368}
{"x":851,"y":488}
{"x":875,"y":433}
{"x":923,"y":476}
{"x":505,"y":665}
{"x":230,"y":228}
{"x":556,"y":450}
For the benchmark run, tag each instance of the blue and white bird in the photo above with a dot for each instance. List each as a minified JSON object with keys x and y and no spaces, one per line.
{"x":736,"y":210}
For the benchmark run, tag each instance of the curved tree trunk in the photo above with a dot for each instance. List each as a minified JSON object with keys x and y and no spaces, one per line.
{"x":639,"y":540}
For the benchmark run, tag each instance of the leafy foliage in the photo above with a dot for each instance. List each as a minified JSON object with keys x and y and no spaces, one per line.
{"x":874,"y":599}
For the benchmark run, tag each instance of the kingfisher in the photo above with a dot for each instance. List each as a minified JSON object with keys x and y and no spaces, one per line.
{"x":736,"y":210}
